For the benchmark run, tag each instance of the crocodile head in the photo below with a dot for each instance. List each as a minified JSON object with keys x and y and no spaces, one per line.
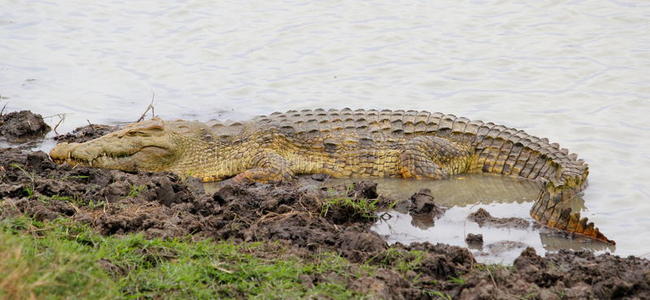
{"x":145,"y":146}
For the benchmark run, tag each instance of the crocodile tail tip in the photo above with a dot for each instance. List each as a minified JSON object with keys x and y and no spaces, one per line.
{"x":546,"y":212}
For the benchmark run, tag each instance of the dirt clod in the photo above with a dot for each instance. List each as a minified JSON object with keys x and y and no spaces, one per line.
{"x":22,"y":126}
{"x":483,"y":218}
{"x":86,"y":133}
{"x":422,"y":203}
{"x":474,"y":240}
{"x":364,"y":189}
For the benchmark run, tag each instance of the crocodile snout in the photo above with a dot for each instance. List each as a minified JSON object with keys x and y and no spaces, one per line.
{"x":63,"y":151}
{"x":74,"y":151}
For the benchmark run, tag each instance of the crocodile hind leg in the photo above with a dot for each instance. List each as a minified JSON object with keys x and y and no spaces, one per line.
{"x":422,"y":157}
{"x":266,"y":166}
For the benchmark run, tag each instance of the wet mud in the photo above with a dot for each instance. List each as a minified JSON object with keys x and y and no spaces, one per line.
{"x":22,"y":126}
{"x":483,"y":218}
{"x":474,"y":241}
{"x":85,"y":133}
{"x":422,"y":207}
{"x":308,"y":216}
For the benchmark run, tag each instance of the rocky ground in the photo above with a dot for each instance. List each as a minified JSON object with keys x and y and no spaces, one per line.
{"x":306,"y":217}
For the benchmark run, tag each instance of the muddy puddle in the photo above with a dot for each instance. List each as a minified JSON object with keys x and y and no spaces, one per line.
{"x":502,"y":197}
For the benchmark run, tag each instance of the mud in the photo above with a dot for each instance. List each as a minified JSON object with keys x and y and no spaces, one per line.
{"x":422,"y":207}
{"x":483,"y":218}
{"x":422,"y":203}
{"x":474,"y":241}
{"x":303,"y":215}
{"x":86,"y":133}
{"x":17,"y":127}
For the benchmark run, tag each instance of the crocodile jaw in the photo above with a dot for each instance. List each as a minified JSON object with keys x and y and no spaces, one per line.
{"x":143,"y":146}
{"x":145,"y":158}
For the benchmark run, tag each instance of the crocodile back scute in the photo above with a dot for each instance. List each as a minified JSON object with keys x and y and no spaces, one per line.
{"x":500,"y":149}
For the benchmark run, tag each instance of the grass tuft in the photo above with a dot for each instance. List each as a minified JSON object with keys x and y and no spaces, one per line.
{"x":361,"y":207}
{"x":136,"y":190}
{"x":403,"y":261}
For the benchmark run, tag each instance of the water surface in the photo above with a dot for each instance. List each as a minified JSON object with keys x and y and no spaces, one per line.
{"x":575,"y":71}
{"x":501,"y":196}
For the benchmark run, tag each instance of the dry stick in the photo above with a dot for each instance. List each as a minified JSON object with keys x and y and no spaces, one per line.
{"x":92,"y":127}
{"x":150,"y":107}
{"x":3,"y":109}
{"x":153,"y":109}
{"x":492,"y":277}
{"x":61,"y":119}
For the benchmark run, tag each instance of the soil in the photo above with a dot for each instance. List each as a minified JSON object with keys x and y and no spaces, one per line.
{"x":163,"y":205}
{"x":483,"y":218}
{"x":474,"y":241}
{"x":22,"y":126}
{"x":85,"y":133}
{"x":422,"y":207}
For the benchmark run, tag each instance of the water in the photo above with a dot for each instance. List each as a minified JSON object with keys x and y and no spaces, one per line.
{"x":500,"y":196}
{"x":577,"y":72}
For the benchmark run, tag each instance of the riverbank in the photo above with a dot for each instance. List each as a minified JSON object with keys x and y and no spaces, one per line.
{"x":84,"y":232}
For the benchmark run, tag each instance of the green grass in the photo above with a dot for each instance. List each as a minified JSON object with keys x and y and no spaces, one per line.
{"x":136,"y":190}
{"x":65,"y":260}
{"x":362,"y":207}
{"x":439,"y":295}
{"x":75,"y":200}
{"x":456,"y":280}
{"x":28,"y":190}
{"x":35,"y":266}
{"x":402,"y":261}
{"x":44,"y":198}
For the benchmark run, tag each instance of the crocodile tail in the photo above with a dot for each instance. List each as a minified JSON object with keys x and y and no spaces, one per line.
{"x":566,"y":181}
{"x":550,"y":211}
{"x":508,"y":151}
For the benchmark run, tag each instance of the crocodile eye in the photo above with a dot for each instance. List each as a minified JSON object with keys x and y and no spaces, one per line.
{"x":137,"y":133}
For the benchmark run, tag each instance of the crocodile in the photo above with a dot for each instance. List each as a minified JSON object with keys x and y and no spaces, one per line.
{"x":346,"y":144}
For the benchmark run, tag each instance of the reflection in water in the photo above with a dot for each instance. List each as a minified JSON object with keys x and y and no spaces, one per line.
{"x":468,"y":189}
{"x":501,"y":196}
{"x":553,"y":241}
{"x":422,"y":221}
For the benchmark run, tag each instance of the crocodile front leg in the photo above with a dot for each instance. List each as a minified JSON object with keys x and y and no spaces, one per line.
{"x":266,"y":166}
{"x":433,"y":157}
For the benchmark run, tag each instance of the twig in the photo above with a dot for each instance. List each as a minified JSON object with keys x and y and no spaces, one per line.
{"x":218,"y":267}
{"x":3,"y":109}
{"x":150,"y":107}
{"x":153,"y":109}
{"x":61,"y":119}
{"x":492,"y":277}
{"x":92,"y":127}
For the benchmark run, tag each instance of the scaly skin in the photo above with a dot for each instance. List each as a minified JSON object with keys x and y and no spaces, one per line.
{"x":346,"y":143}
